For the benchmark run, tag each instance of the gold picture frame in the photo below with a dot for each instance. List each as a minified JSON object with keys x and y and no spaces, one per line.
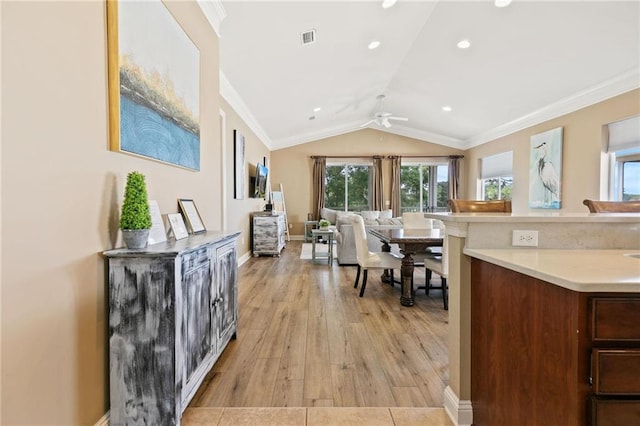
{"x":153,"y":69}
{"x":191,"y":215}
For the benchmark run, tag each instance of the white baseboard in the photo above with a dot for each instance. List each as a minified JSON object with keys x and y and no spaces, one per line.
{"x":104,"y":420}
{"x":460,"y":412}
{"x":242,"y":259}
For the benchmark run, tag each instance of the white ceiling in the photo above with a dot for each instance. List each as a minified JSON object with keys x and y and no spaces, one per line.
{"x":527,"y":63}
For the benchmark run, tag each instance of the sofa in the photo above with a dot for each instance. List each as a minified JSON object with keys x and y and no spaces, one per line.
{"x":345,"y":241}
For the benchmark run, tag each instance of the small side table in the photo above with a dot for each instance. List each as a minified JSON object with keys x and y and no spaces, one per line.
{"x":308,"y":226}
{"x":325,"y":234}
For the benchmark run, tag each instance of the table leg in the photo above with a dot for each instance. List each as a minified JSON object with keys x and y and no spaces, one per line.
{"x":313,"y":248}
{"x":406,"y":278}
{"x":386,"y":275}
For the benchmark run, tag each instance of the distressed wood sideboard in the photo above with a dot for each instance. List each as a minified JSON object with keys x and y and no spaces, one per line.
{"x":172,"y":311}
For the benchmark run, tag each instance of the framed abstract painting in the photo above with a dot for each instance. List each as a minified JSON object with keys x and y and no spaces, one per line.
{"x":239,"y":166}
{"x":545,"y":170}
{"x":154,"y":109}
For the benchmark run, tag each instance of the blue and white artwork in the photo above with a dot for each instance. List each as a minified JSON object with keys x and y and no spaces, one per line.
{"x":158,"y":85}
{"x":545,"y":170}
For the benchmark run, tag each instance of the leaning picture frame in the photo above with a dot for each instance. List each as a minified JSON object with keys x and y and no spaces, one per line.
{"x":177,"y":226}
{"x":191,"y":215}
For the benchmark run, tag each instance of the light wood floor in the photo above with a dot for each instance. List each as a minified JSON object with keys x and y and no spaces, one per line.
{"x":305,"y":339}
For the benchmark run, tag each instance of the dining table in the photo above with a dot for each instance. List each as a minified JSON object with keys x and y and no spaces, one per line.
{"x":410,"y":241}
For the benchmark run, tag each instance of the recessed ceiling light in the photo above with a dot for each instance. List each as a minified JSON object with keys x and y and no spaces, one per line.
{"x":464,"y":44}
{"x":386,"y":4}
{"x":446,"y":108}
{"x":502,"y":3}
{"x":316,"y":109}
{"x":374,"y":45}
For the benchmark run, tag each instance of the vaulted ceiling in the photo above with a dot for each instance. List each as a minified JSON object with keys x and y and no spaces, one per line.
{"x":526,"y":63}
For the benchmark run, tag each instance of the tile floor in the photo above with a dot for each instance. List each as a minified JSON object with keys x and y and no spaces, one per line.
{"x":316,"y":416}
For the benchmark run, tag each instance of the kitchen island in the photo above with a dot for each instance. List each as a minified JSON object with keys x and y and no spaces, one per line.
{"x":525,"y":313}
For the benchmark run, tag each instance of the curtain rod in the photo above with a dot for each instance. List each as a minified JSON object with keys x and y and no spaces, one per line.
{"x":388,"y":156}
{"x":426,"y":156}
{"x":346,"y":156}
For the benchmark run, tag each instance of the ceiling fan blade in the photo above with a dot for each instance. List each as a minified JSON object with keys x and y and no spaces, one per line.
{"x":367,"y":123}
{"x":386,"y":124}
{"x":398,"y":118}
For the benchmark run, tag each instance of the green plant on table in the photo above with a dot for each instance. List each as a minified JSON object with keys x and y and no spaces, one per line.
{"x":324,"y":223}
{"x":135,"y":207}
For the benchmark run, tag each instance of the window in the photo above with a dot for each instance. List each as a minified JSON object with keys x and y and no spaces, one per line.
{"x":627,"y":177}
{"x":424,"y":187}
{"x":347,"y":186}
{"x":496,"y":182}
{"x":624,"y":151}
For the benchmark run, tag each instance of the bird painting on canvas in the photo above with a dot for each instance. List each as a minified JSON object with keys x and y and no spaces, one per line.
{"x":547,"y":174}
{"x":545,"y":169}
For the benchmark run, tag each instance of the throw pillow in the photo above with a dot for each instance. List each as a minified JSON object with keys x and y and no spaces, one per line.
{"x":370,"y":215}
{"x":386,"y":214}
{"x":392,"y":221}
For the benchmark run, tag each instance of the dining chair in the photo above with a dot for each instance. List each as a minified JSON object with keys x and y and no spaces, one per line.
{"x":479,"y":206}
{"x":612,"y":206}
{"x":439,"y":265}
{"x":368,"y":260}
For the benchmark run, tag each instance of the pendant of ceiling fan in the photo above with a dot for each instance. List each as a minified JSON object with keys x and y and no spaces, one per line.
{"x":382,"y":118}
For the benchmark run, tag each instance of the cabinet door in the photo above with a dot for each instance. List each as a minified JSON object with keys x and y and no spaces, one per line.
{"x":281,"y":231}
{"x":225,"y":304}
{"x":265,"y":234}
{"x":196,"y":309}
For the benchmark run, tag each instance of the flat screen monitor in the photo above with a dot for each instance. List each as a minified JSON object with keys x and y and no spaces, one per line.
{"x":261,"y":181}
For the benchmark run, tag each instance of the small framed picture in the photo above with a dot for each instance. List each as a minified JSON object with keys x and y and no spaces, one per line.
{"x":157,"y":234}
{"x":177,"y":226}
{"x":191,"y":215}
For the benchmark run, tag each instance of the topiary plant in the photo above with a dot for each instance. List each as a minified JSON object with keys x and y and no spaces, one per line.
{"x":135,"y":207}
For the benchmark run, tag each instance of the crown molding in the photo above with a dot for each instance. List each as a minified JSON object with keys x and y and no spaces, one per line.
{"x":618,"y":85}
{"x":214,"y":12}
{"x":356,"y":126}
{"x":230,"y":95}
{"x":315,"y":136}
{"x":424,"y":136}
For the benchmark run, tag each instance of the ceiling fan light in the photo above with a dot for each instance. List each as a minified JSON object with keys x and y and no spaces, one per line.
{"x":464,"y":44}
{"x":386,"y":4}
{"x":502,"y":3}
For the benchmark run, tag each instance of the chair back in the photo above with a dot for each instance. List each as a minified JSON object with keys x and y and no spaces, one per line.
{"x":479,"y":206}
{"x":612,"y":206}
{"x":360,"y":235}
{"x":416,"y":220}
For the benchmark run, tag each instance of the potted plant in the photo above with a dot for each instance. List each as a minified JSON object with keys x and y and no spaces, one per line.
{"x":135,"y":219}
{"x":324,"y":224}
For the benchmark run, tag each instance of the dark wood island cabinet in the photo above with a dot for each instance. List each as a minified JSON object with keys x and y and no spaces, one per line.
{"x":545,"y":355}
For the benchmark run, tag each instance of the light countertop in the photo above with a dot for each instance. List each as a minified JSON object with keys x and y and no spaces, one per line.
{"x":578,"y":270}
{"x":550,"y":217}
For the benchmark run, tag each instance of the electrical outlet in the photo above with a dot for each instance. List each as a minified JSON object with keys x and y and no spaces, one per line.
{"x":525,"y":238}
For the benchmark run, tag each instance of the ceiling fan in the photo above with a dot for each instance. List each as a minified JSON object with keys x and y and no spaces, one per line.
{"x":382,"y":118}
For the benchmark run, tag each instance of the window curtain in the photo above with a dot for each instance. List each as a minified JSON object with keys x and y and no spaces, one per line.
{"x":396,"y":162}
{"x":376,"y":184}
{"x":454,"y":177}
{"x":319,"y":177}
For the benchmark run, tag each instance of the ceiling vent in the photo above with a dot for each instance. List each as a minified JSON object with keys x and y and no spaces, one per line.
{"x":308,"y":37}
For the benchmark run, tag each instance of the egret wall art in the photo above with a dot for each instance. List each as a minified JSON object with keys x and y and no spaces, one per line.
{"x":545,"y":170}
